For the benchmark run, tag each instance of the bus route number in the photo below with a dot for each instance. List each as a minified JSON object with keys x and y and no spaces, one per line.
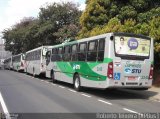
{"x":99,"y":68}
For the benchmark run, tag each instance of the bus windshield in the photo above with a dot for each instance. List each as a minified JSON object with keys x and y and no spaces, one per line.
{"x":132,"y":46}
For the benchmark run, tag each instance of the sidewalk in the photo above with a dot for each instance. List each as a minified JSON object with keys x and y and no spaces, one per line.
{"x":157,"y":90}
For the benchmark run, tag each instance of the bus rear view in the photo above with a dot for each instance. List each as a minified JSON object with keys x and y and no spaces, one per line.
{"x":132,"y":61}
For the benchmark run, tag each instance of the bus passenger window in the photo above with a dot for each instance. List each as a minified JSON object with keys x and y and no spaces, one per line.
{"x":101,"y":50}
{"x":54,"y":55}
{"x":66,"y":55}
{"x":92,"y":51}
{"x":82,"y":52}
{"x":59,"y":55}
{"x":74,"y":53}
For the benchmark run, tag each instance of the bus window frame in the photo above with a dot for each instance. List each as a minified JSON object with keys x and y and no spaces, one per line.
{"x":84,"y":51}
{"x":98,"y":50}
{"x":95,"y":49}
{"x":74,"y":53}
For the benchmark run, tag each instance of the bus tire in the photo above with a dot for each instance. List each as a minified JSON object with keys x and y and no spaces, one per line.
{"x":34,"y":75}
{"x":77,"y":83}
{"x":53,"y":77}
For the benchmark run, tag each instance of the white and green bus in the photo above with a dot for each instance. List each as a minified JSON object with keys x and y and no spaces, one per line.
{"x":112,"y":60}
{"x":36,"y":61}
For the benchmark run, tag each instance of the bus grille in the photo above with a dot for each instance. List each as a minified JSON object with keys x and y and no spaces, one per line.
{"x":131,"y":83}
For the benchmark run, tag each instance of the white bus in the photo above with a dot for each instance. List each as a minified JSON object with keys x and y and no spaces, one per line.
{"x":35,"y":61}
{"x":112,"y":60}
{"x":18,"y":62}
{"x":8,"y":63}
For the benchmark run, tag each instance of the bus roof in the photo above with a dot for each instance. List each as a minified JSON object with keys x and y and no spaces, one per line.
{"x":37,"y":48}
{"x":100,"y":36}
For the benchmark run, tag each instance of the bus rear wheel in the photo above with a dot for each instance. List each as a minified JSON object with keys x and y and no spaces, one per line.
{"x":77,"y":83}
{"x":34,"y":74}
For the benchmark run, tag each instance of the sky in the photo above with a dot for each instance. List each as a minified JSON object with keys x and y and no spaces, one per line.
{"x":12,"y":11}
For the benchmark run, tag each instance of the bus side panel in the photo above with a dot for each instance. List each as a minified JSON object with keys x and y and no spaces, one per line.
{"x":63,"y":77}
{"x":93,"y":84}
{"x":96,"y":80}
{"x":48,"y":69}
{"x":63,"y":71}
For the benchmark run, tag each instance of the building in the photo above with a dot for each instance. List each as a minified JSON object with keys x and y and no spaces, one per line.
{"x":3,"y":54}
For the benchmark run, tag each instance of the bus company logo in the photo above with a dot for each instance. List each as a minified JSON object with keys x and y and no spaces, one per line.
{"x":132,"y":43}
{"x":76,"y":66}
{"x":128,"y":70}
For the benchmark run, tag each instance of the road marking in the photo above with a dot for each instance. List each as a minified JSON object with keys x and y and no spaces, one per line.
{"x":105,"y":102}
{"x":36,"y":78}
{"x":46,"y":81}
{"x":72,"y":90}
{"x":61,"y":86}
{"x":29,"y":76}
{"x":86,"y":95}
{"x":4,"y":107}
{"x":53,"y":84}
{"x":130,"y":110}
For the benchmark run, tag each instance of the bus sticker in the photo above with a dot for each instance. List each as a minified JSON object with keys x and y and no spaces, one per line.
{"x":117,"y":76}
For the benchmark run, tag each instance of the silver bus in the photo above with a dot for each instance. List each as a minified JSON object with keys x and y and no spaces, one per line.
{"x":8,"y":63}
{"x":35,"y":61}
{"x":18,"y":62}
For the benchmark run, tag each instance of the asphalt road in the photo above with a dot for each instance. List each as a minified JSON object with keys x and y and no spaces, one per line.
{"x":27,"y":95}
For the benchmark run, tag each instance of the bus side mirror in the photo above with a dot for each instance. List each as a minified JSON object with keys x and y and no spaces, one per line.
{"x":44,"y":51}
{"x":48,"y":54}
{"x":111,"y":38}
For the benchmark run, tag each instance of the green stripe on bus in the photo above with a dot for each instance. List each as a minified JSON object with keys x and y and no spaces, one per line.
{"x":85,"y":69}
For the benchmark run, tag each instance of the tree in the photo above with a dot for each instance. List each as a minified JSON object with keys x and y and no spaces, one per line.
{"x":15,"y":36}
{"x":55,"y":18}
{"x":130,"y":13}
{"x":66,"y":32}
{"x":56,"y":21}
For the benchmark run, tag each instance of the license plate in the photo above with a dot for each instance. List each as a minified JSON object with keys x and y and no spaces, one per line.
{"x":132,"y":78}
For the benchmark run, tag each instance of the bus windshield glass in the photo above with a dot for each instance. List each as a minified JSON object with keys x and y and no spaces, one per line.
{"x":132,"y":46}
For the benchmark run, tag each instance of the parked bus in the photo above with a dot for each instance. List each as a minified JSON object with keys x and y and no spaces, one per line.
{"x":112,"y":60}
{"x":18,"y":62}
{"x":8,"y":63}
{"x":35,"y":61}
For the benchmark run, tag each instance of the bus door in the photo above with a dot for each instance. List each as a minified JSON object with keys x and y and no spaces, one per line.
{"x":48,"y":57}
{"x":43,"y":60}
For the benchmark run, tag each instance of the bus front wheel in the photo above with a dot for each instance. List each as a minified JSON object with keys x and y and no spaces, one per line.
{"x":77,"y":83}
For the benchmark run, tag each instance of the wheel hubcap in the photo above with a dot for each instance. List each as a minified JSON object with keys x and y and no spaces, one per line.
{"x":76,"y":83}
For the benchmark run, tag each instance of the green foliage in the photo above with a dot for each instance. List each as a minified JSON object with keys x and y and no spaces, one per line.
{"x":16,"y":37}
{"x":113,"y":25}
{"x":155,"y":32}
{"x":66,"y":32}
{"x":128,"y":26}
{"x":131,"y":16}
